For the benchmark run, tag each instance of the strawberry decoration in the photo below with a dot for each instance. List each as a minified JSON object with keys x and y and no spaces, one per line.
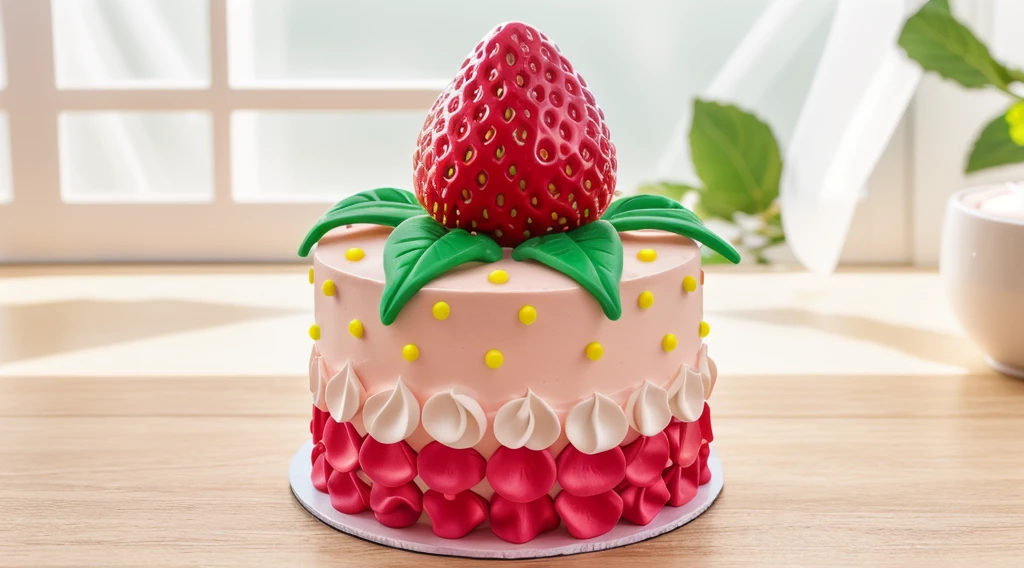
{"x":515,"y":146}
{"x":513,"y":153}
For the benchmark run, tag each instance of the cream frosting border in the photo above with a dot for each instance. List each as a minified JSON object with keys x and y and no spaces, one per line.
{"x":593,"y":425}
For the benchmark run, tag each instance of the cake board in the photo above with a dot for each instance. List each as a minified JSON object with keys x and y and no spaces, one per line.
{"x":483,"y":543}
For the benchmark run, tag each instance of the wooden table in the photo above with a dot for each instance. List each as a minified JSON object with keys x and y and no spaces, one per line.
{"x":147,"y":417}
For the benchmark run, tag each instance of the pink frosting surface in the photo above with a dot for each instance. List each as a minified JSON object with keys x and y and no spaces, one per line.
{"x":547,"y":357}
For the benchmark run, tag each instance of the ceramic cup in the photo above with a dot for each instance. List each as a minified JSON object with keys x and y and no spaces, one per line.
{"x":982,"y":265}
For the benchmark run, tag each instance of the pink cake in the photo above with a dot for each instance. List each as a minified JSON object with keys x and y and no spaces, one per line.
{"x":507,"y":350}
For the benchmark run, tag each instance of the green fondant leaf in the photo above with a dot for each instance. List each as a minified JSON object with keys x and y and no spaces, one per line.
{"x":421,"y":249}
{"x":382,"y":206}
{"x":658,"y":212}
{"x":644,"y":201}
{"x":591,"y":255}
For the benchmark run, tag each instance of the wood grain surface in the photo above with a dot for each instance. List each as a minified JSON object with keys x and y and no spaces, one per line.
{"x":906,"y":459}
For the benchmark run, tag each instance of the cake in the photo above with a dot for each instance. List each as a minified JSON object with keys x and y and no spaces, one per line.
{"x":506,"y":349}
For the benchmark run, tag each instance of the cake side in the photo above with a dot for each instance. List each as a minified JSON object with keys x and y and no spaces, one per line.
{"x":588,"y":466}
{"x":462,"y":321}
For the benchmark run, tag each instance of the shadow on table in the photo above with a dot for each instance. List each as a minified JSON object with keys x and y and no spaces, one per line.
{"x":37,"y":330}
{"x":921,"y":343}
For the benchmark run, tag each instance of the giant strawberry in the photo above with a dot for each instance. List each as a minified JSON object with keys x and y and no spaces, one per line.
{"x":515,"y":146}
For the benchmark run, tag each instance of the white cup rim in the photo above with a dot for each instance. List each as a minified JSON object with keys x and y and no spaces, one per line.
{"x":957,"y":200}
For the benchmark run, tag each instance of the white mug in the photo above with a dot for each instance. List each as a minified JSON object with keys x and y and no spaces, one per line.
{"x":982,"y":265}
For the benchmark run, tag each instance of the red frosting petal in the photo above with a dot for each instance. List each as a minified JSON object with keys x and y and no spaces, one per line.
{"x":705,"y":424}
{"x":702,"y":458}
{"x":342,"y":443}
{"x":522,"y":522}
{"x":521,"y":475}
{"x":317,"y":423}
{"x":349,"y":494}
{"x":396,"y":507}
{"x":684,"y":441}
{"x":321,"y":470}
{"x":318,"y":450}
{"x":587,"y":517}
{"x":641,"y":504}
{"x":645,"y":459}
{"x":390,"y":465}
{"x":682,"y":482}
{"x":584,"y":475}
{"x":448,"y":470}
{"x":455,"y":517}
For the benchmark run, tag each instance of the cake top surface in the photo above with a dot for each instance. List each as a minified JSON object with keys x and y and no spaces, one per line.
{"x":670,"y":250}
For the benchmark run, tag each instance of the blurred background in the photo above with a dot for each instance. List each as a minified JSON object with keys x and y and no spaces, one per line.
{"x":218,"y":130}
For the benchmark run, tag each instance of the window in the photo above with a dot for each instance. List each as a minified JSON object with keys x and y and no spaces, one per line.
{"x":218,"y":129}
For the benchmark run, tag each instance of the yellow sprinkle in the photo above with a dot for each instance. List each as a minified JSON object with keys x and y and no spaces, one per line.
{"x":310,"y":274}
{"x":594,"y":351}
{"x":314,"y":332}
{"x":355,"y":254}
{"x":689,"y":283}
{"x":329,"y":288}
{"x":647,"y":255}
{"x":497,"y":277}
{"x":441,"y":311}
{"x":410,"y":352}
{"x":646,"y":299}
{"x":494,"y":358}
{"x":527,"y":314}
{"x":668,"y":343}
{"x":705,"y":329}
{"x":355,"y":327}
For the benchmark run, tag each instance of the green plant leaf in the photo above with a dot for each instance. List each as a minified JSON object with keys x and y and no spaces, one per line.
{"x":994,"y":146}
{"x":419,"y":250}
{"x":658,"y":212}
{"x":383,"y":206}
{"x":591,"y":255}
{"x":939,"y":43}
{"x":672,"y":190}
{"x":736,"y":157}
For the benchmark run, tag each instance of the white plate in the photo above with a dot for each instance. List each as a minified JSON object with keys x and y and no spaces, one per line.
{"x":483,"y":543}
